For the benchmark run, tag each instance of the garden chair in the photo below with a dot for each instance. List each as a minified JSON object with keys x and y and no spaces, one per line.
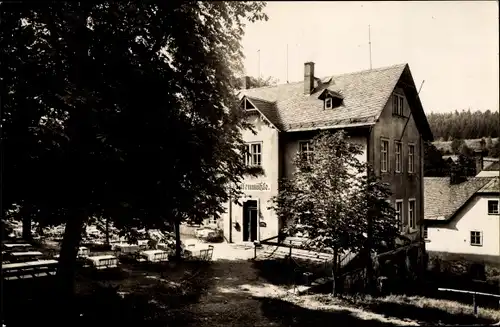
{"x":207,"y":254}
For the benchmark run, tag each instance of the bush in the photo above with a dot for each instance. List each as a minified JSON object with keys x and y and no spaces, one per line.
{"x":216,"y":237}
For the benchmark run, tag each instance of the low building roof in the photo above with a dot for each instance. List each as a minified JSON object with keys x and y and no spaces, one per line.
{"x":443,"y":200}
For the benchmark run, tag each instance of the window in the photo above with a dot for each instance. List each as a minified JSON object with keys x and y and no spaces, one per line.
{"x":411,"y":158}
{"x":384,"y":155}
{"x":398,"y":147}
{"x":397,"y":105}
{"x":254,"y":156}
{"x":411,"y":214}
{"x":328,"y":103}
{"x":426,"y":233}
{"x":306,"y":150}
{"x":399,"y":213}
{"x":492,"y":207}
{"x":476,"y":238}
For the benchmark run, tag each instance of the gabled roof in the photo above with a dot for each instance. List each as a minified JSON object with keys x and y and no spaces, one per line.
{"x":442,"y":200}
{"x":365,"y":95}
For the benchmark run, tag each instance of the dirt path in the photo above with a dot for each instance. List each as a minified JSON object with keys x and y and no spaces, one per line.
{"x":235,"y":296}
{"x":239,"y":295}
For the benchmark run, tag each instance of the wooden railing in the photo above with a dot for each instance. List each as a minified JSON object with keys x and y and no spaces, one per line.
{"x":474,"y":303}
{"x":292,"y":243}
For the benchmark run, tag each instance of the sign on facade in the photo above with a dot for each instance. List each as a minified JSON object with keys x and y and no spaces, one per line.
{"x":255,"y":187}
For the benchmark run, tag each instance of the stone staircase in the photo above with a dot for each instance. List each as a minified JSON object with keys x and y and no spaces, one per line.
{"x":278,"y":251}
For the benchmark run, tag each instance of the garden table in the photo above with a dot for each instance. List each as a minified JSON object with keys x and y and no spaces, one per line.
{"x":104,"y":261}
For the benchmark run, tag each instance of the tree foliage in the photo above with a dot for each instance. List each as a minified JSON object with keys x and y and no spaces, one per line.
{"x":123,"y":109}
{"x":331,"y":201}
{"x":434,"y":164}
{"x":456,"y":145}
{"x":494,"y":151}
{"x":256,"y":82}
{"x":464,"y":124}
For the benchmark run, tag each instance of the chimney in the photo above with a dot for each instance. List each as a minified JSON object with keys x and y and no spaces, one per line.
{"x":308,"y":77}
{"x":478,"y":154}
{"x":457,"y":174}
{"x":245,"y":82}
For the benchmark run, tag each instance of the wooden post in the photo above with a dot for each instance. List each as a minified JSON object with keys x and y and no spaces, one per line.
{"x":474,"y":304}
{"x":334,"y":272}
{"x":230,"y":217}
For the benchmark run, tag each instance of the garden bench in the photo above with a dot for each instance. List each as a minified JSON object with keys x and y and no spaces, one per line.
{"x":24,"y":270}
{"x":24,"y":256}
{"x":12,"y":246}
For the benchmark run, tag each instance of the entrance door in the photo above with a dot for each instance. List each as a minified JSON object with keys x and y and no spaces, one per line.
{"x":250,"y":221}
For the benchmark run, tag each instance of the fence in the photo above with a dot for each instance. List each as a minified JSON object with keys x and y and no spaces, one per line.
{"x":474,"y":303}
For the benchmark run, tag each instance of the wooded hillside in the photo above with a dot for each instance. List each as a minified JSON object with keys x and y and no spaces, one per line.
{"x":453,"y":147}
{"x":464,"y":125}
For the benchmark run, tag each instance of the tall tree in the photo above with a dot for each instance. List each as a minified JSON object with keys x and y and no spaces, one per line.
{"x":495,"y":150}
{"x":456,"y":145}
{"x":254,"y":82}
{"x":330,"y":200}
{"x":466,"y":160}
{"x":121,"y":109}
{"x":434,"y":164}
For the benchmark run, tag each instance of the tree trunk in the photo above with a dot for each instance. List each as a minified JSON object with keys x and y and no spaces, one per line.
{"x":334,"y":273}
{"x":27,"y":236}
{"x":177,"y":240}
{"x":67,"y":261}
{"x":107,"y":231}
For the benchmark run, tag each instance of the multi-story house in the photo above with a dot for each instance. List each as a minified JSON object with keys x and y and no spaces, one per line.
{"x":379,"y":109}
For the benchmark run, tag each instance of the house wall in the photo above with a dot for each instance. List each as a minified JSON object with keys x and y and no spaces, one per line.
{"x":268,"y":226}
{"x":290,"y":145}
{"x":454,"y":237}
{"x":403,"y":185}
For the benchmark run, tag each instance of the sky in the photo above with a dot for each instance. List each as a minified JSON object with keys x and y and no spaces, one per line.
{"x":452,"y":45}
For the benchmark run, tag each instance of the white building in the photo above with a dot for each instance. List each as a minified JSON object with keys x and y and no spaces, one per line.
{"x":490,"y":168}
{"x":463,"y":218}
{"x":379,"y":109}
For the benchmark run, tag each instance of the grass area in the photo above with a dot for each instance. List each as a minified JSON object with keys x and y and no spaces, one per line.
{"x":409,"y":308}
{"x":435,"y":306}
{"x":129,"y":294}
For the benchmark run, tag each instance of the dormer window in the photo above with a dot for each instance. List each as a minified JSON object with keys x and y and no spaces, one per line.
{"x":331,"y":99}
{"x":328,"y":103}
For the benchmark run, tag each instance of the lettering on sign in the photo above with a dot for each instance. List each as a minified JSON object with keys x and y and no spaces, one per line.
{"x":255,"y":187}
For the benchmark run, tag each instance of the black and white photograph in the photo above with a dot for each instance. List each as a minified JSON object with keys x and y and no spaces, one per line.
{"x":249,"y":163}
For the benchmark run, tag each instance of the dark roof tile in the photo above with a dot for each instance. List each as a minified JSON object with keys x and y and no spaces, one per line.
{"x":365,"y":95}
